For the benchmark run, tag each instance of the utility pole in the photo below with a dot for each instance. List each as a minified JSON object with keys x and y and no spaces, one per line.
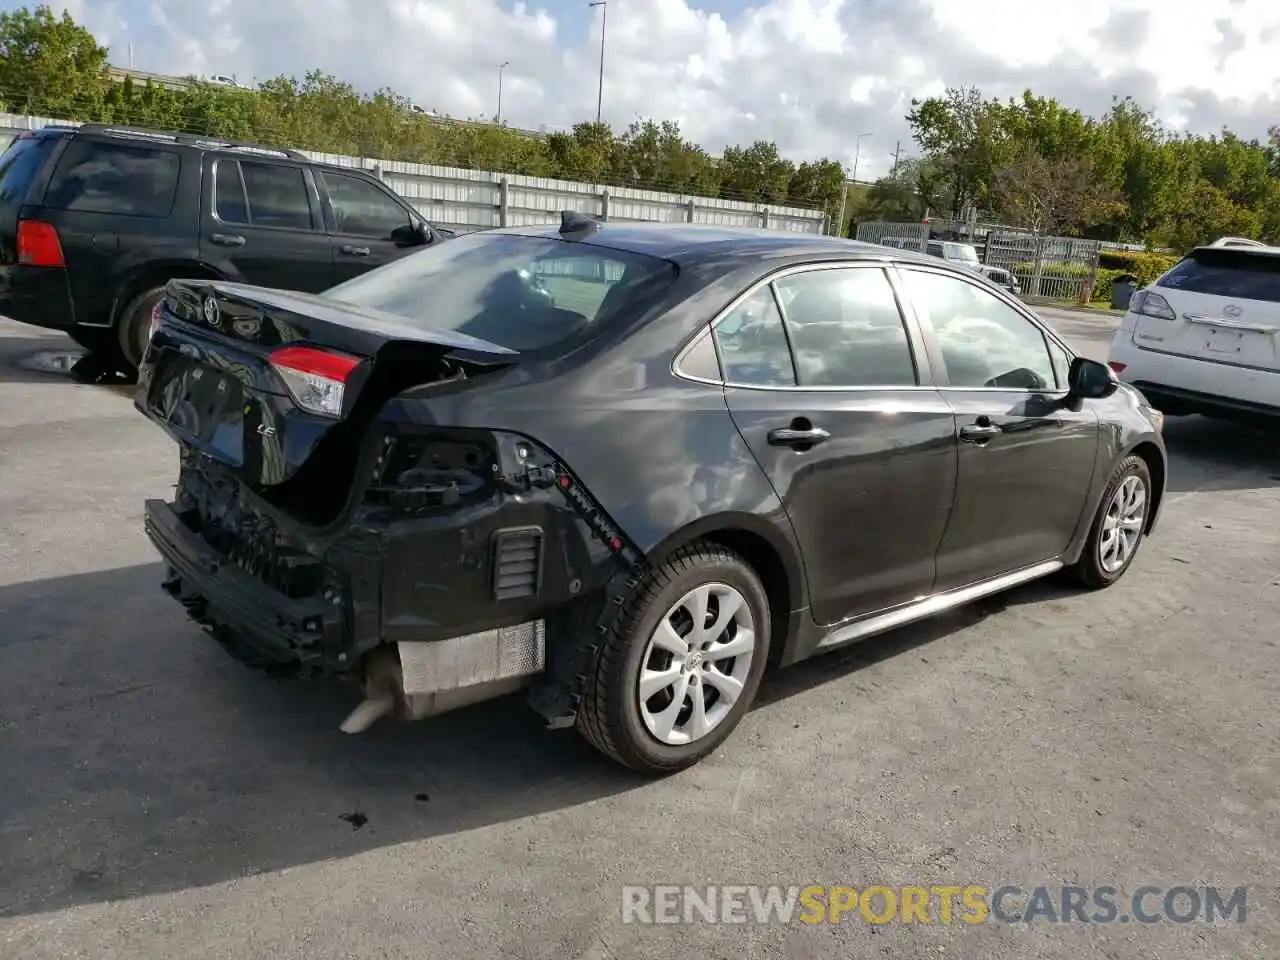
{"x":897,"y":152}
{"x":502,"y":66}
{"x":604,"y":24}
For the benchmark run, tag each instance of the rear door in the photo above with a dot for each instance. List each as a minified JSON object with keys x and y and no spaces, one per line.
{"x":1026,"y":457}
{"x":831,"y":393}
{"x":261,"y":224}
{"x":368,"y":225}
{"x":1226,"y":306}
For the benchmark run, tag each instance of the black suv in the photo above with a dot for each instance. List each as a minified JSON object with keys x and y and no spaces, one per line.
{"x":95,"y":220}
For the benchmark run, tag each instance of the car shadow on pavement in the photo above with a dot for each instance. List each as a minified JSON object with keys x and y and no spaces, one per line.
{"x":52,"y":358}
{"x":137,"y":758}
{"x":1216,"y":454}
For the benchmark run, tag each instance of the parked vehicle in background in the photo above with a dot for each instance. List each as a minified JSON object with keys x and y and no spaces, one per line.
{"x":627,"y":465}
{"x":1205,"y":337}
{"x":95,"y":220}
{"x":1002,"y":278}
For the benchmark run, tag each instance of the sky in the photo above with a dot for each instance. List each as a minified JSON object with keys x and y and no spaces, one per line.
{"x":810,"y":75}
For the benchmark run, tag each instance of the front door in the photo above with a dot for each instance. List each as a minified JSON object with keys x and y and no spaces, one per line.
{"x":368,"y":226}
{"x":1026,"y":457}
{"x":822,"y":383}
{"x":261,"y":224}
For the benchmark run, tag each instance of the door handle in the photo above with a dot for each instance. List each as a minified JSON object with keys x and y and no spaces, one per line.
{"x":979,"y":432}
{"x":801,"y":433}
{"x":351,"y":251}
{"x":227,"y":240}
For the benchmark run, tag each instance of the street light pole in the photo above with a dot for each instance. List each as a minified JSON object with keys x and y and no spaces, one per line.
{"x":604,"y":24}
{"x":502,"y":66}
{"x":857,"y":152}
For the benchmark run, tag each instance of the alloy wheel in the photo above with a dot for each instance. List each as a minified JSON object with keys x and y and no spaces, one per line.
{"x":696,"y":664}
{"x":1123,"y":524}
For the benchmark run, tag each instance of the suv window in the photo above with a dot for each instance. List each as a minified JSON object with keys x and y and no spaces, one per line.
{"x":276,"y":195}
{"x":984,"y":342}
{"x":19,"y":166}
{"x":361,"y":209}
{"x":517,"y":292}
{"x":98,"y":177}
{"x":753,"y":343}
{"x":1227,"y":272}
{"x":846,"y":329}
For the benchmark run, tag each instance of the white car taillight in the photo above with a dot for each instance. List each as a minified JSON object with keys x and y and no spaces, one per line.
{"x":1151,"y":305}
{"x":317,"y":379}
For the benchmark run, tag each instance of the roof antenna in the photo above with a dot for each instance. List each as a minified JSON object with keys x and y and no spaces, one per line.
{"x":573,"y":221}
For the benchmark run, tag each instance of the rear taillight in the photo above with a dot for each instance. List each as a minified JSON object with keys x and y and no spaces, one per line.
{"x":157,"y":315}
{"x":1150,"y":304}
{"x":38,"y":244}
{"x":317,"y":379}
{"x":1117,"y":366}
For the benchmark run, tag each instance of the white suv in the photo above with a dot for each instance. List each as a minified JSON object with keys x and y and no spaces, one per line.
{"x":1205,"y":337}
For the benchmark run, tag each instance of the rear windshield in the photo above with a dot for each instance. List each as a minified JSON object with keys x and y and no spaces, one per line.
{"x":114,"y":178}
{"x":522,"y":293}
{"x":1236,"y":272}
{"x":19,"y":166}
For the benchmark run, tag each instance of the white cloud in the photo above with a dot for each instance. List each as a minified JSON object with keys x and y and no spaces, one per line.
{"x":810,"y":74}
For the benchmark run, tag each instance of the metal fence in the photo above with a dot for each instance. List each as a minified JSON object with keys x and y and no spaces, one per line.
{"x":901,"y":236}
{"x":1053,"y":268}
{"x":478,"y":199}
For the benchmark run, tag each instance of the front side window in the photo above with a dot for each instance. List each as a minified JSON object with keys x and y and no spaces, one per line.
{"x":277,"y":195}
{"x":846,"y":330}
{"x":360,"y":209}
{"x":522,"y":293}
{"x":131,"y":181}
{"x":753,"y":343}
{"x":984,"y":342}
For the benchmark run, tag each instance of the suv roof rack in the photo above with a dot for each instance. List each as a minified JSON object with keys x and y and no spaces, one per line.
{"x":191,"y":139}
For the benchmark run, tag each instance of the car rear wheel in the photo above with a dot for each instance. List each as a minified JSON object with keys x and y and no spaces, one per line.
{"x":133,"y":330}
{"x":1119,"y":526}
{"x":681,"y":666}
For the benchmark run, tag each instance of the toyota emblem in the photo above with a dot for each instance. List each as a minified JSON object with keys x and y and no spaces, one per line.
{"x":1231,"y":310}
{"x":212,"y":314}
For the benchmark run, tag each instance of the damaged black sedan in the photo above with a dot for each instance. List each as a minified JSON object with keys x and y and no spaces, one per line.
{"x":626,"y":467}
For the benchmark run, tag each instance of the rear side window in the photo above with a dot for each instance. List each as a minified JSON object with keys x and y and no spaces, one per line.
{"x":753,"y":343}
{"x":19,"y":166}
{"x":277,"y":195}
{"x":522,"y":293}
{"x":95,"y":177}
{"x":1226,"y":272}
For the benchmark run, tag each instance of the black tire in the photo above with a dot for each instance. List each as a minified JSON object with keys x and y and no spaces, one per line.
{"x":1089,"y":570}
{"x":610,"y":716}
{"x":134,"y":327}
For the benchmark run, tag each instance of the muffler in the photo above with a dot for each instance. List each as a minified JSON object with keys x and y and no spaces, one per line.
{"x":415,"y":680}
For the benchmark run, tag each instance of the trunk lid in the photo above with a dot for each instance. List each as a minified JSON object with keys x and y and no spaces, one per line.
{"x":1219,"y":304}
{"x":268,"y":381}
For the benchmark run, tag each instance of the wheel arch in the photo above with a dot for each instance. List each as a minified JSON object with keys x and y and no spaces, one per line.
{"x":769,"y":552}
{"x":1154,"y":458}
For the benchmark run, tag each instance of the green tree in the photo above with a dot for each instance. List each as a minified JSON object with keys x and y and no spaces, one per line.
{"x":756,"y":173}
{"x":818,"y":185}
{"x":50,"y":66}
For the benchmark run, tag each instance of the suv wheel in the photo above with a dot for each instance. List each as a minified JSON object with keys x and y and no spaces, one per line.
{"x":1118,"y":527}
{"x":682,"y":664}
{"x":133,"y":330}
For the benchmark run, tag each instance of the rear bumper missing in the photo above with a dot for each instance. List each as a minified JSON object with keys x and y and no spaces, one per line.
{"x":258,"y":625}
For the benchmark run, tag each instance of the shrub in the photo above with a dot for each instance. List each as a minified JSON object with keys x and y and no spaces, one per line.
{"x":1146,"y":267}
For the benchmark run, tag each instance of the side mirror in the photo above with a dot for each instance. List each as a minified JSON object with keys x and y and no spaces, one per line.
{"x":1090,"y":379}
{"x":414,"y":234}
